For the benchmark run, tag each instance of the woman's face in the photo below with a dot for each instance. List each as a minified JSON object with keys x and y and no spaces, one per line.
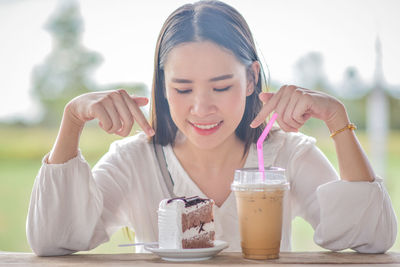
{"x":206,"y":89}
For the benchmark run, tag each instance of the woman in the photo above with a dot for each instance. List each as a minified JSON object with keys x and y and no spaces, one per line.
{"x":208,"y":110}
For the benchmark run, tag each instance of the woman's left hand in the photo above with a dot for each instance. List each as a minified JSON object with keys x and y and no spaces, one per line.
{"x":295,"y":105}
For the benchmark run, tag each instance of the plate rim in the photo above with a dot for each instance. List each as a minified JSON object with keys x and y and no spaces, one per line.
{"x":220,"y":246}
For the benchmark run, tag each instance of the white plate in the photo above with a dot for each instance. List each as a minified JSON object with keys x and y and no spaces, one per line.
{"x":190,"y":254}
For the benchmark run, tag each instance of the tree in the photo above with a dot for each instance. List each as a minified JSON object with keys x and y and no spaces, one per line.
{"x":309,"y":72}
{"x":66,"y":71}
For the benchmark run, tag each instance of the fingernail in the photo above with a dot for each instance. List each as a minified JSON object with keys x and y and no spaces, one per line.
{"x":253,"y":124}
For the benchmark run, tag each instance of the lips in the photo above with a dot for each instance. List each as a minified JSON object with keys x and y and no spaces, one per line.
{"x":206,"y":128}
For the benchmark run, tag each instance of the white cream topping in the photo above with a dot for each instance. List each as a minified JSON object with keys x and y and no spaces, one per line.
{"x":192,"y":232}
{"x":170,"y":224}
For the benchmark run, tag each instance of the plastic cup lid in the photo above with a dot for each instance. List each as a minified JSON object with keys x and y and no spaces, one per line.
{"x":252,"y":178}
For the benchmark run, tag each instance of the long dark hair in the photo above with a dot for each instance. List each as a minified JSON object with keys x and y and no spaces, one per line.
{"x":221,"y":24}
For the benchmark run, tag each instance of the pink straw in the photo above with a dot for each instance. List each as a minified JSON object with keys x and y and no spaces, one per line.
{"x":260,"y":142}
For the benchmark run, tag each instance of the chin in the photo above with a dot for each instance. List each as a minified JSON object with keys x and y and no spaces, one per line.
{"x":209,"y":142}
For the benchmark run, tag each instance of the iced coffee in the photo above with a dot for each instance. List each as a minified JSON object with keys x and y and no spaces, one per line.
{"x":259,"y":197}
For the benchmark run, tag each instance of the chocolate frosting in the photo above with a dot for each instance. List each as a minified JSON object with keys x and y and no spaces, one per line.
{"x":189,"y":201}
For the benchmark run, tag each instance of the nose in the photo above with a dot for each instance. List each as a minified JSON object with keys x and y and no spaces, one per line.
{"x":203,"y":105}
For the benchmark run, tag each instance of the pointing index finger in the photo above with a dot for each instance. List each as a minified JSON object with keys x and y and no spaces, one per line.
{"x":266,"y":110}
{"x":138,"y":115}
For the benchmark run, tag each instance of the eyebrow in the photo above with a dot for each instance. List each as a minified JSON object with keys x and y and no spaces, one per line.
{"x":218,"y":78}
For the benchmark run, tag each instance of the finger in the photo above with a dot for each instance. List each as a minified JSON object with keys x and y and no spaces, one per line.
{"x":291,"y":106}
{"x":265,"y":110}
{"x":268,"y":107}
{"x":125,"y":115}
{"x":110,"y":107}
{"x":98,"y":112}
{"x":140,"y":100}
{"x":287,"y":92}
{"x":302,"y":111}
{"x":265,"y":97}
{"x":284,"y":126}
{"x":138,"y":115}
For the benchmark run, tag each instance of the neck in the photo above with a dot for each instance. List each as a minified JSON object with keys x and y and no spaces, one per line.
{"x":227,"y":154}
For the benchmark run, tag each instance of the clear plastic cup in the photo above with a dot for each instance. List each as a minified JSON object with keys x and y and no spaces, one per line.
{"x":259,"y":197}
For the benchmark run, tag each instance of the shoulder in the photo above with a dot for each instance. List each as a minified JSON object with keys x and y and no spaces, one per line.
{"x":136,"y":148}
{"x":138,"y":141}
{"x":281,"y":147}
{"x":289,"y":143}
{"x":291,"y":139}
{"x":126,"y":153}
{"x":298,"y":153}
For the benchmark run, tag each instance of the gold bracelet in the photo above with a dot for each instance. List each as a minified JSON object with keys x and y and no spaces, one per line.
{"x":349,"y":126}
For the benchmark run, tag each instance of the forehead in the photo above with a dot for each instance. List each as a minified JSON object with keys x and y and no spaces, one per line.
{"x":201,"y":59}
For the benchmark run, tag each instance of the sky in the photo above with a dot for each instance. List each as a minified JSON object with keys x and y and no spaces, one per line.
{"x":124,"y":32}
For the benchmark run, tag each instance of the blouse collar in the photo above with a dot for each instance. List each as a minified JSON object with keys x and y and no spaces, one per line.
{"x":184,"y":185}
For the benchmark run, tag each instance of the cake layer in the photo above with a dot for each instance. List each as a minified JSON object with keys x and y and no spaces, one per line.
{"x":198,"y":230}
{"x":197,"y":217}
{"x":205,"y":240}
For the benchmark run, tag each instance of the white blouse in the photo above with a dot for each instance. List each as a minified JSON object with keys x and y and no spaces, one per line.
{"x":74,"y":208}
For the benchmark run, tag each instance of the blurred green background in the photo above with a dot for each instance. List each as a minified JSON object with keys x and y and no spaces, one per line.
{"x":66,"y":72}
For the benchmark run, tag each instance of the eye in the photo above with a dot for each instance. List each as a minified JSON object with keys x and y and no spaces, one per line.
{"x":222,"y":89}
{"x":186,"y":91}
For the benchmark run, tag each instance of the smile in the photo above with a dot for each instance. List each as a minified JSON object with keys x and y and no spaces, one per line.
{"x":206,"y":126}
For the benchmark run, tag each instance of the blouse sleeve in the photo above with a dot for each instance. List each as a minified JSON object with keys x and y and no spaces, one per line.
{"x":69,"y":211}
{"x":355,"y":215}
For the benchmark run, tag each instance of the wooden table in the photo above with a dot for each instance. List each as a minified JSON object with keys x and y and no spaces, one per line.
{"x":293,"y":259}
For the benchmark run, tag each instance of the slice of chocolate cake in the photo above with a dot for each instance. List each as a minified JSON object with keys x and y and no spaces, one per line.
{"x":186,"y":223}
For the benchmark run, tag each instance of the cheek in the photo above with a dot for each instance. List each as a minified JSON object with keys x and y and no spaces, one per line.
{"x":234,"y":103}
{"x":233,"y":108}
{"x":176,"y":105}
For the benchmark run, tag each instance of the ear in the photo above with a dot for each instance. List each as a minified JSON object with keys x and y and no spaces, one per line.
{"x":252,"y":77}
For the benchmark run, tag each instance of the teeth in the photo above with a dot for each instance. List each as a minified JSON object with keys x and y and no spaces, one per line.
{"x":206,"y":127}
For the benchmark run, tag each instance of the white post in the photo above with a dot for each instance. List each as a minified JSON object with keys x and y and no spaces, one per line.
{"x":377,"y":129}
{"x":377,"y":116}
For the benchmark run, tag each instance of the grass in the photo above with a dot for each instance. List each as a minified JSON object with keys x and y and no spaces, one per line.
{"x":21,"y":151}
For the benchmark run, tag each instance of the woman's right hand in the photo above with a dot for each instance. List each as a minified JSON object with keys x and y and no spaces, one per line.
{"x":115,"y":110}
